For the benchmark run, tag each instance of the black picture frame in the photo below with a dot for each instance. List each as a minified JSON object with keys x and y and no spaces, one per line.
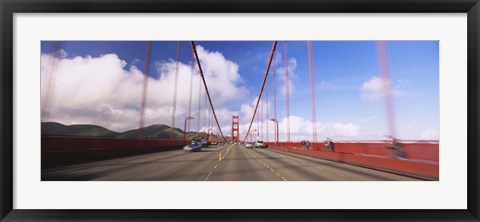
{"x":9,"y":7}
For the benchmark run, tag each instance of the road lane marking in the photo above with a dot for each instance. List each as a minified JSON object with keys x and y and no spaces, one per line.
{"x":220,"y":158}
{"x":307,"y":164}
{"x":303,"y":162}
{"x":209,"y":174}
{"x":111,"y":163}
{"x":266,"y":165}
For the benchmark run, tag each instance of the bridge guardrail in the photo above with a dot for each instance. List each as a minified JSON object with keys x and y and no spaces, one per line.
{"x":422,"y":159}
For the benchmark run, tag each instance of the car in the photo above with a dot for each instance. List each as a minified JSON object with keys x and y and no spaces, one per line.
{"x":248,"y":145}
{"x":203,"y":142}
{"x":260,"y":144}
{"x":194,"y":146}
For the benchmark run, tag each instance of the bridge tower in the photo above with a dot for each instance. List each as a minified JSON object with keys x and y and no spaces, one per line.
{"x":235,"y":133}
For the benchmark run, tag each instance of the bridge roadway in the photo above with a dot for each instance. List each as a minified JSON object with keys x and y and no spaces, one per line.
{"x":238,"y":164}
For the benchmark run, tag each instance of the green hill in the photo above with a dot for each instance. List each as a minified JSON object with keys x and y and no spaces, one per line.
{"x":157,"y":131}
{"x":85,"y":130}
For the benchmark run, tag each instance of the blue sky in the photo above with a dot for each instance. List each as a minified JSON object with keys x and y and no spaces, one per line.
{"x":346,"y":102}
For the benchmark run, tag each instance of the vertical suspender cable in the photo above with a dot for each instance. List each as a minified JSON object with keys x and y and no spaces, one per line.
{"x":312,"y":91}
{"x":287,"y":91}
{"x":172,"y":129}
{"x":146,"y":71}
{"x":190,"y":95}
{"x":48,"y":86}
{"x":268,"y":121}
{"x":387,"y":90}
{"x":275,"y":91}
{"x":205,"y":112}
{"x":199,"y":102}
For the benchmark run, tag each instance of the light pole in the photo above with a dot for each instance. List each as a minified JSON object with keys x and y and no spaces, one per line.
{"x":185,"y":128}
{"x":276,"y":129}
{"x":208,"y":134}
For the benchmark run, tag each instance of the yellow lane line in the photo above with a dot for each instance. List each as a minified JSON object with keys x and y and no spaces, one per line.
{"x":221,"y":157}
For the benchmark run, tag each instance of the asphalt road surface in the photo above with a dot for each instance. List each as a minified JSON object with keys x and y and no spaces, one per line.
{"x":237,"y":163}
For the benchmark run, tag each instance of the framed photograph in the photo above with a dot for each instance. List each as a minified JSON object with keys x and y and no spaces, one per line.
{"x":253,"y":111}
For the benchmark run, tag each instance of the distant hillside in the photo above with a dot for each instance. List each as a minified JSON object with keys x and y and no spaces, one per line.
{"x":158,"y":131}
{"x":57,"y":129}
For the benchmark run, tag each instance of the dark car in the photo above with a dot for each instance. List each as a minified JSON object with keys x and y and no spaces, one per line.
{"x":193,"y":147}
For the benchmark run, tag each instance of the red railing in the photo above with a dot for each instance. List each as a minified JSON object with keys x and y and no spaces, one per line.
{"x":422,"y":159}
{"x":81,"y":143}
{"x":415,"y":150}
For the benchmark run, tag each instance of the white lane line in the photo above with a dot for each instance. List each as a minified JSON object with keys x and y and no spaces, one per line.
{"x":303,"y":162}
{"x":209,"y":174}
{"x":126,"y":177}
{"x":266,"y":165}
{"x":216,"y":166}
{"x":228,"y":149}
{"x":340,"y":174}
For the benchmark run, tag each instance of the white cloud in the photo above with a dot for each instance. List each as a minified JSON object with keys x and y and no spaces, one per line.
{"x":301,"y":128}
{"x":281,"y":72}
{"x":373,"y":89}
{"x":100,"y":90}
{"x":430,"y":134}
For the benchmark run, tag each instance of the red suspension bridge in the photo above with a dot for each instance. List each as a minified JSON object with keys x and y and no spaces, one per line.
{"x":227,"y":158}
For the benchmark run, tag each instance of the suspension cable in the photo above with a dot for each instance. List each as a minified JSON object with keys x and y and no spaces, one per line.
{"x":261,"y":89}
{"x":194,"y":48}
{"x":312,"y":91}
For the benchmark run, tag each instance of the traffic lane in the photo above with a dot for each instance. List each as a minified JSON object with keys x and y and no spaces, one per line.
{"x":238,"y":165}
{"x":193,"y":166}
{"x":188,"y":166}
{"x":128,"y":168}
{"x":349,"y":172}
{"x":293,"y":170}
{"x":92,"y":170}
